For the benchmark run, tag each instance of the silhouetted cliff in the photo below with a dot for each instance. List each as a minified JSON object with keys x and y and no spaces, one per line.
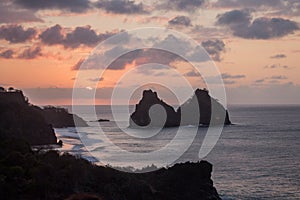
{"x":142,"y":113}
{"x":21,"y":120}
{"x":50,"y":175}
{"x":61,"y":118}
{"x":211,"y":111}
{"x":201,"y":109}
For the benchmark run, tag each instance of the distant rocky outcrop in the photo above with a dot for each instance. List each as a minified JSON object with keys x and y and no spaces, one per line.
{"x":61,"y":118}
{"x":19,"y":119}
{"x":143,"y":114}
{"x":201,"y":109}
{"x":211,"y":111}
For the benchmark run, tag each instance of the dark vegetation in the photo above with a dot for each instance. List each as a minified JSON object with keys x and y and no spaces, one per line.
{"x":61,"y":118}
{"x":20,"y":119}
{"x":25,"y":174}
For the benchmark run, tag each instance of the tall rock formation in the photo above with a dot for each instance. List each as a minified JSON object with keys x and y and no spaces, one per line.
{"x":19,"y":119}
{"x":200,"y":109}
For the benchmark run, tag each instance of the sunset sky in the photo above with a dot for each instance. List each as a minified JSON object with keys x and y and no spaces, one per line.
{"x":254,"y":43}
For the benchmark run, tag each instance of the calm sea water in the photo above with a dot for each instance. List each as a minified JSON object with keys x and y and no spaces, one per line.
{"x":257,"y":158}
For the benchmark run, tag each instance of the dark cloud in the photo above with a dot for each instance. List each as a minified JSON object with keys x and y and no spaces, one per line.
{"x":180,"y":20}
{"x":182,"y":48}
{"x":249,"y":3}
{"x":77,"y":37}
{"x":265,"y":28}
{"x":272,"y":80}
{"x":159,"y":56}
{"x":7,"y":54}
{"x":96,"y":79}
{"x":152,"y":69}
{"x":260,"y":81}
{"x":278,"y":56}
{"x":229,"y":76}
{"x":30,"y":53}
{"x":276,"y":66}
{"x":225,"y":78}
{"x":260,"y":28}
{"x":144,"y":56}
{"x":234,"y":18}
{"x":161,"y":74}
{"x":16,"y":33}
{"x":173,"y":43}
{"x":181,"y":5}
{"x":82,"y":6}
{"x":52,"y":35}
{"x":78,"y":64}
{"x":121,"y":59}
{"x":280,"y":77}
{"x":76,"y":6}
{"x":290,"y":8}
{"x":135,"y":58}
{"x":192,"y":74}
{"x":229,"y":82}
{"x":10,"y":14}
{"x":95,"y":60}
{"x":121,"y":6}
{"x":81,"y":36}
{"x":177,"y":50}
{"x":274,"y":7}
{"x":214,"y":48}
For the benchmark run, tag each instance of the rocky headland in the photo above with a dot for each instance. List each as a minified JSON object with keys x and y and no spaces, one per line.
{"x":22,"y":120}
{"x":61,"y":118}
{"x":19,"y":119}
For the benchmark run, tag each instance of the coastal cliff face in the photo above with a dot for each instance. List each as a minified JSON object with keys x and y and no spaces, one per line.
{"x":21,"y":120}
{"x":201,"y":109}
{"x":50,"y":175}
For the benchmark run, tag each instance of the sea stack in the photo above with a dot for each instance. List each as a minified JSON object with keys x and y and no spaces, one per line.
{"x":145,"y":111}
{"x":200,"y":109}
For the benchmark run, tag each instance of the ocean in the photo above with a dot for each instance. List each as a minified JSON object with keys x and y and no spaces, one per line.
{"x":256,"y":158}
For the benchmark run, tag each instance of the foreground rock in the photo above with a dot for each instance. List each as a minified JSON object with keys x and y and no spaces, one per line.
{"x":201,"y":109}
{"x":19,"y":119}
{"x":28,"y":175}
